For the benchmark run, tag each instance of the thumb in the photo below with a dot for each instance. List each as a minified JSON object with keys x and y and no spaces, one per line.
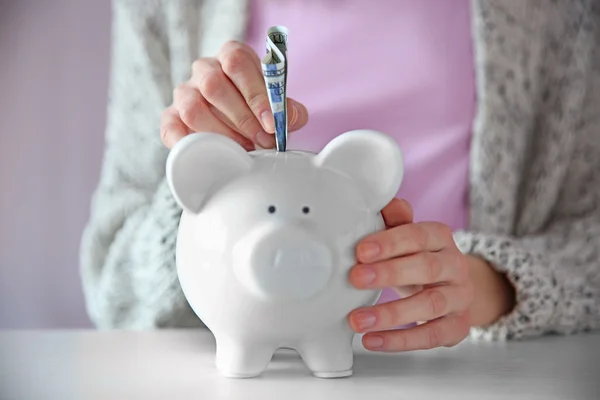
{"x":298,"y":115}
{"x":397,"y":212}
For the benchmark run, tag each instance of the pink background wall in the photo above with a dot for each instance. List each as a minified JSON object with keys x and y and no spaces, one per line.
{"x":54,"y":58}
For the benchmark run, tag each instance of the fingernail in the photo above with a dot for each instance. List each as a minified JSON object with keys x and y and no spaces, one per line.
{"x":295,"y":114}
{"x":365,"y":276}
{"x":373,"y":342}
{"x":364,"y":320}
{"x":265,"y":140}
{"x":368,"y":251}
{"x":267,"y":121}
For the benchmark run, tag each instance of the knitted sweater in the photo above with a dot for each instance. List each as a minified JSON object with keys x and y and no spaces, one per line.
{"x":534,"y":175}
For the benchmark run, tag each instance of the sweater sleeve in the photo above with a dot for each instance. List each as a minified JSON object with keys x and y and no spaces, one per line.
{"x":127,"y":254}
{"x":556,"y":272}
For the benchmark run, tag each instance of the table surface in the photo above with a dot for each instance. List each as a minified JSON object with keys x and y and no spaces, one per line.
{"x":179,"y":364}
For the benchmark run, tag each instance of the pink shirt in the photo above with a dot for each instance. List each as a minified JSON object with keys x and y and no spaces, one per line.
{"x":403,"y":67}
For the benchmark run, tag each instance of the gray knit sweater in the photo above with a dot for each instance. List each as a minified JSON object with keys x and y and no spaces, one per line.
{"x":534,"y":175}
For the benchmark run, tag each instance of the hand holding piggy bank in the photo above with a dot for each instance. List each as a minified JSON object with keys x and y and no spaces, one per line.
{"x":267,"y":239}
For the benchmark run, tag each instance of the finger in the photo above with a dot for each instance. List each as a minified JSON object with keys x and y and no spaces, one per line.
{"x":447,"y":331}
{"x":242,"y":66}
{"x":407,"y":291}
{"x":217,"y":89}
{"x":247,"y":52}
{"x":404,"y":240}
{"x":298,"y":117}
{"x":429,"y":304}
{"x":193,"y":112}
{"x":172,"y":128}
{"x":397,"y":212}
{"x":425,"y":268}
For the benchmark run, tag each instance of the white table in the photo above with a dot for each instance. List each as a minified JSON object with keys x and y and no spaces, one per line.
{"x":179,"y":365}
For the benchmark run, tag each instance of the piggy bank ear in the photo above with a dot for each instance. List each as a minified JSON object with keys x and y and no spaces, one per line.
{"x":201,"y":163}
{"x":372,"y":159}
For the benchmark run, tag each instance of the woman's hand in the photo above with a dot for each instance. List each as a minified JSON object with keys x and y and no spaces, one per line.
{"x":227,"y":95}
{"x":448,"y":291}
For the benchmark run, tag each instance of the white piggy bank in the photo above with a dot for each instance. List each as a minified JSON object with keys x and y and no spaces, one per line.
{"x":267,"y":239}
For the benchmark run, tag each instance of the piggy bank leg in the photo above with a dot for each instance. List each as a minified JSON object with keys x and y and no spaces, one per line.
{"x":239,"y":358}
{"x":329,"y":355}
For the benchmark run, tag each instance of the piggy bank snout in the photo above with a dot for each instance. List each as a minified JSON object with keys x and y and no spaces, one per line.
{"x":295,"y":256}
{"x":285,"y":263}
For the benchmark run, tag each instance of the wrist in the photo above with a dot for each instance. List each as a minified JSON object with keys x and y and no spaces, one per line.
{"x":494,"y":294}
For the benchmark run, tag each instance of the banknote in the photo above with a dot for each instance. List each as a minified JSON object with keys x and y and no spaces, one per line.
{"x":274,"y":67}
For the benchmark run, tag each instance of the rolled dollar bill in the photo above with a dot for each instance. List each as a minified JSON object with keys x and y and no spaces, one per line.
{"x":274,"y":67}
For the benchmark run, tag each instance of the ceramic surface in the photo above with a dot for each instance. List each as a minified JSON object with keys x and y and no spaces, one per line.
{"x":266,"y":241}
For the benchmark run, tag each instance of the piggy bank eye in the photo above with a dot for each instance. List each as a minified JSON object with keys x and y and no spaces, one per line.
{"x":271,"y":209}
{"x":305,"y":209}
